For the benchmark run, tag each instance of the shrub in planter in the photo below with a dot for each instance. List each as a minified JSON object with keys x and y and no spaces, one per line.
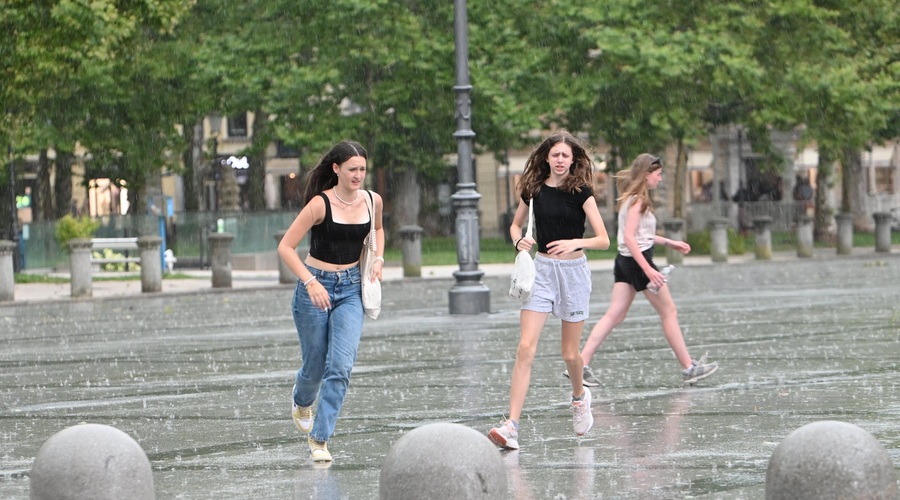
{"x":70,"y":228}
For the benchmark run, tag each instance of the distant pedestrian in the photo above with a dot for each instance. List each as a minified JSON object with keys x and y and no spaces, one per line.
{"x":327,"y":304}
{"x":634,"y":269}
{"x":558,"y":179}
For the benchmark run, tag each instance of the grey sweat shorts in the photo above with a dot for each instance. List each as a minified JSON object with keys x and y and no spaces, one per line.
{"x":561,"y":287}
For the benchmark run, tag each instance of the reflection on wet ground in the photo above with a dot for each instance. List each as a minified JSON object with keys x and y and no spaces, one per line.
{"x":202,"y":382}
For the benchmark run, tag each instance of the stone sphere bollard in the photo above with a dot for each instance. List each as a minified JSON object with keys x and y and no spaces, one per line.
{"x":443,"y":460}
{"x":830,"y":460}
{"x":91,"y":461}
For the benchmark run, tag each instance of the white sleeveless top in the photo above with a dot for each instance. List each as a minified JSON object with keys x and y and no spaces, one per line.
{"x":646,"y":231}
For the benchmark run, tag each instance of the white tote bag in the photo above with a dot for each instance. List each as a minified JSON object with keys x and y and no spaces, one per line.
{"x":522,"y":282}
{"x":371,"y":291}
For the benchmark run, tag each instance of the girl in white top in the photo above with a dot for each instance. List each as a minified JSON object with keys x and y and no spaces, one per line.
{"x":634,"y":269}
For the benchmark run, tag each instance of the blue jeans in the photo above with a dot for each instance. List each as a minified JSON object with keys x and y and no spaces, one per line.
{"x":328,"y":343}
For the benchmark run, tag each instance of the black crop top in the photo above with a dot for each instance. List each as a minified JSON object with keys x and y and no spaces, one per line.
{"x":337,"y":243}
{"x":558,"y":215}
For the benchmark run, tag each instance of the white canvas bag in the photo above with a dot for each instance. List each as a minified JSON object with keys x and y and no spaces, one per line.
{"x":371,"y":291}
{"x":522,"y":282}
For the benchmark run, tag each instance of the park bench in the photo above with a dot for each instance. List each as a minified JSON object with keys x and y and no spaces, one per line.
{"x":125,"y":245}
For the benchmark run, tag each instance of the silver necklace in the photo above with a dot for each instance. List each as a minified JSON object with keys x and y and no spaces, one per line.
{"x":342,"y":200}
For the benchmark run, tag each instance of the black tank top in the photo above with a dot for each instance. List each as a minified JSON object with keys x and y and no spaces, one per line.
{"x":337,"y":243}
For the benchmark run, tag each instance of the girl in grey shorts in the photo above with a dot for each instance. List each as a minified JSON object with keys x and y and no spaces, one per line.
{"x":558,"y":179}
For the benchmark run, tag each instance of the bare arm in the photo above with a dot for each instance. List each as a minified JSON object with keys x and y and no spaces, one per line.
{"x":680,"y":246}
{"x":313,"y":213}
{"x":517,"y":229}
{"x":379,"y":236}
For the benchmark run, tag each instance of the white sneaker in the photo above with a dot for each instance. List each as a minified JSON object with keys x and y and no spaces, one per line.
{"x":302,"y":416}
{"x":506,"y":436}
{"x":318,"y":451}
{"x":582,"y":419}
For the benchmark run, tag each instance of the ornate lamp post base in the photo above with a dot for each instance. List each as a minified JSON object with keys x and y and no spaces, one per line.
{"x":468,"y":295}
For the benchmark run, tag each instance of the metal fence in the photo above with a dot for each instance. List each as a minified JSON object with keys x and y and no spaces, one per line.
{"x":185,"y":233}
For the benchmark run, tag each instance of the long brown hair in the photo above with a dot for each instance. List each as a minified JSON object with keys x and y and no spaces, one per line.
{"x":537,"y":169}
{"x":633,"y":181}
{"x":323,"y":177}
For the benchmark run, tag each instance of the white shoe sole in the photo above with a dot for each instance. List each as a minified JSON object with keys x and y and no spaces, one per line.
{"x":499,"y":440}
{"x":698,"y":378}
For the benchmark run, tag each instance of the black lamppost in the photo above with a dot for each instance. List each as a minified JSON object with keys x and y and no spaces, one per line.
{"x":468,"y":295}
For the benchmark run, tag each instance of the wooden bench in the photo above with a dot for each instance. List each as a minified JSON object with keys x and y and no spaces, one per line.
{"x":124,"y":244}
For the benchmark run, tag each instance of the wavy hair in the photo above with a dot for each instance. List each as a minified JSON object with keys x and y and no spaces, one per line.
{"x":537,"y":170}
{"x":633,"y":181}
{"x":322,"y":177}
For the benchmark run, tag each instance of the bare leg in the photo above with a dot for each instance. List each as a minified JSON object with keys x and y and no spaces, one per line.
{"x":571,"y":339}
{"x":619,"y":302}
{"x":668,"y":315}
{"x":531,"y":325}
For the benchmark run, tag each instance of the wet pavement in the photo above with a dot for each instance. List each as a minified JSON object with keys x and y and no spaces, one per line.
{"x":201,"y":378}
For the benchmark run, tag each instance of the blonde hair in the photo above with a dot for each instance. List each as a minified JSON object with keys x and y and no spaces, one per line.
{"x":632,"y":182}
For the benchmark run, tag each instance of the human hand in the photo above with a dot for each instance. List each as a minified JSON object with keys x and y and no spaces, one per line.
{"x":562,"y":247}
{"x":377,"y":271}
{"x":657,"y":279}
{"x":318,"y":295}
{"x":680,"y":246}
{"x":524,"y":244}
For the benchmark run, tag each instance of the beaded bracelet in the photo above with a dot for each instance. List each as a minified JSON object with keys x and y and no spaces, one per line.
{"x":307,"y":282}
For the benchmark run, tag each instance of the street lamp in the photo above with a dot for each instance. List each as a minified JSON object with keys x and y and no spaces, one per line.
{"x":468,"y":295}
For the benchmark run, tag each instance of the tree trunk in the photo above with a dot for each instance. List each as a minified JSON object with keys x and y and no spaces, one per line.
{"x":680,"y":166}
{"x":43,"y":210}
{"x":63,"y":184}
{"x":854,"y":189}
{"x":256,"y":181}
{"x":824,"y":182}
{"x":191,"y":159}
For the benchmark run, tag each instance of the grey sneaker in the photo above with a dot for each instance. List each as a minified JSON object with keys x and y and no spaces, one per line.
{"x":587,"y":378}
{"x":699,"y":370}
{"x":506,"y":436}
{"x":582,"y":419}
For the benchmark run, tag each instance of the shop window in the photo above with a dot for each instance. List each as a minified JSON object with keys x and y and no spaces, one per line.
{"x":237,"y":125}
{"x":701,"y":185}
{"x":883,"y":180}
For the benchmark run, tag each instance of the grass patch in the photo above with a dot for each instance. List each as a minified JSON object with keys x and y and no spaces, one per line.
{"x":442,"y":251}
{"x":26,"y":278}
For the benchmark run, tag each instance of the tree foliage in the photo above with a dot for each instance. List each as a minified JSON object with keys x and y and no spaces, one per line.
{"x":118,"y":76}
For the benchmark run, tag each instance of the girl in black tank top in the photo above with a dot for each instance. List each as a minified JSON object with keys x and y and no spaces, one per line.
{"x":327,"y":302}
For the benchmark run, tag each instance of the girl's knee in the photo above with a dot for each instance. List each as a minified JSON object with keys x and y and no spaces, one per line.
{"x":571,"y":357}
{"x":526,"y":352}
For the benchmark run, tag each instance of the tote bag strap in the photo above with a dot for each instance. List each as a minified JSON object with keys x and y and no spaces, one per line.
{"x":530,"y":218}
{"x":370,"y":201}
